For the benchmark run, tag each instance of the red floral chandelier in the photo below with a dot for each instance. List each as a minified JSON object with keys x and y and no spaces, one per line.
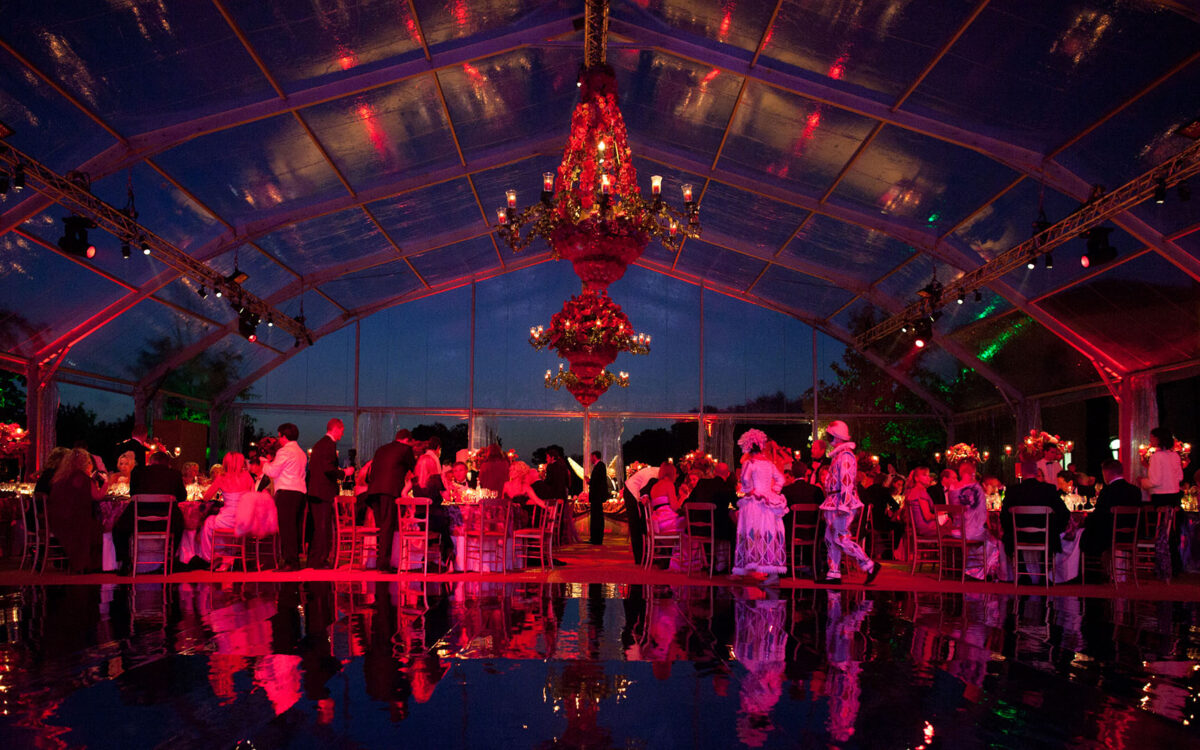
{"x":589,"y":332}
{"x":593,"y":213}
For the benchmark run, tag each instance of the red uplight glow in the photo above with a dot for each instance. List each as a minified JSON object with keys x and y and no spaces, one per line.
{"x":366,"y":113}
{"x":838,"y":68}
{"x":726,"y":21}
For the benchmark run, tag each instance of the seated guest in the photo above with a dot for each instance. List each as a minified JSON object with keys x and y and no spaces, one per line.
{"x":885,"y":511}
{"x":234,"y":482}
{"x":191,"y":473}
{"x":522,"y":490}
{"x":1097,"y":533}
{"x":53,"y":461}
{"x":917,"y":499}
{"x":493,"y":469}
{"x":126,"y":462}
{"x":800,"y":492}
{"x":712,"y":488}
{"x":1031,"y":491}
{"x":156,"y":478}
{"x":455,"y":480}
{"x":70,"y":510}
{"x":665,"y":502}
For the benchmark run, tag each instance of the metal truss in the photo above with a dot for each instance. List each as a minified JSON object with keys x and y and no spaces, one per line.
{"x":1171,"y":172}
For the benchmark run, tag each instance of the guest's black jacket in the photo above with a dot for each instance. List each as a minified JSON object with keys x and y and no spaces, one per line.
{"x":323,"y":471}
{"x":157,"y":479}
{"x":1097,"y":534}
{"x":1034,"y":492}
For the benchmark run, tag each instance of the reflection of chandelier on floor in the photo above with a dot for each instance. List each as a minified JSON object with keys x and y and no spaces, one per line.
{"x":592,"y":213}
{"x":589,"y":332}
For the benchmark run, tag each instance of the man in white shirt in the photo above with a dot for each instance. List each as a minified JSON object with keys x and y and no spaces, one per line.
{"x":287,"y":470}
{"x":637,"y":525}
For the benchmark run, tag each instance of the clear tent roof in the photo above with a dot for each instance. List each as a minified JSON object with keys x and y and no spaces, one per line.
{"x":347,"y":157}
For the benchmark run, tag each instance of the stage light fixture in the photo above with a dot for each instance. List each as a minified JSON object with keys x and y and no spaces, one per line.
{"x":18,"y":180}
{"x":238,"y":276}
{"x":1185,"y":192}
{"x":962,"y":297}
{"x":924,"y":334}
{"x":270,"y":322}
{"x":75,"y":237}
{"x":1160,"y":190}
{"x":125,"y":251}
{"x":1099,"y":251}
{"x":1031,"y":263}
{"x":145,"y":246}
{"x":3,"y":183}
{"x":978,"y":296}
{"x":1049,"y":261}
{"x":202,"y":292}
{"x":248,"y":326}
{"x":217,"y":291}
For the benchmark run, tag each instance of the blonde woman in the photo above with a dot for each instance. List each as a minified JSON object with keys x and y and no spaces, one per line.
{"x":232,"y":484}
{"x":70,"y":510}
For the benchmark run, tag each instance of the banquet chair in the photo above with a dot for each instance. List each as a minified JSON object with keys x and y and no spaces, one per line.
{"x":1154,"y":524}
{"x":149,"y":527}
{"x":31,"y":541}
{"x":259,"y":544}
{"x":922,"y":549}
{"x":227,"y":545}
{"x":412,"y":514}
{"x":805,"y":519}
{"x":1121,"y":545}
{"x":538,"y":538}
{"x":660,"y":545}
{"x":487,"y":536}
{"x":1033,"y":538}
{"x":49,"y":550}
{"x":874,"y":538}
{"x":953,"y":545}
{"x":702,"y":531}
{"x":351,"y":540}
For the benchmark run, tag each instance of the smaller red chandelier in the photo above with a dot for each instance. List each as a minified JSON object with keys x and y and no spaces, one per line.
{"x":585,"y":391}
{"x":593,"y":213}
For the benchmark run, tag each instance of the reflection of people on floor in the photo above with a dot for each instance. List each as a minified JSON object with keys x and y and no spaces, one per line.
{"x":841,"y":683}
{"x":384,"y":679}
{"x":664,"y":633}
{"x":760,"y":644}
{"x":316,"y":648}
{"x":635,"y":621}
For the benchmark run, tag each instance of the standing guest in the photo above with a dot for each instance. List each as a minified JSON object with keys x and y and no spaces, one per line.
{"x":1163,"y":480}
{"x":557,"y":473}
{"x":761,"y":509}
{"x":429,"y":463}
{"x":1032,"y":491}
{"x":841,"y":503}
{"x":390,"y":468}
{"x":817,"y":459}
{"x":634,"y":486}
{"x":597,"y":494}
{"x":138,"y":442}
{"x":725,"y":475}
{"x":325,"y":477}
{"x":712,"y":488}
{"x":231,"y":483}
{"x":156,"y":478}
{"x":286,"y":471}
{"x":877,"y":494}
{"x":1097,"y":531}
{"x":70,"y":511}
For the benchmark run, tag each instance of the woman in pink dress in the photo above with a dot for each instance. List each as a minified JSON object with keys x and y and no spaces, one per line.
{"x":233,"y":484}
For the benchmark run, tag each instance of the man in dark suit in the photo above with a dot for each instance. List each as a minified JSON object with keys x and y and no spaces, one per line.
{"x":156,"y":478}
{"x":1097,"y":533}
{"x":136,"y":444}
{"x":324,"y":479}
{"x":1033,"y":492}
{"x":557,"y":474}
{"x":389,"y":468}
{"x":597,"y":494}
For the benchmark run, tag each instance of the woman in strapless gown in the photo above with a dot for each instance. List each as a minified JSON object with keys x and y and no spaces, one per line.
{"x":232,"y":485}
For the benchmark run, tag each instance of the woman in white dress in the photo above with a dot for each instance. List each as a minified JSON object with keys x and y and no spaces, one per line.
{"x":232,"y":484}
{"x":665,"y":502}
{"x":760,"y":511}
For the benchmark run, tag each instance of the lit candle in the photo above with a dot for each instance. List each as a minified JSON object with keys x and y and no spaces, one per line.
{"x":674,"y":227}
{"x":605,"y":184}
{"x":548,"y":181}
{"x":512,"y":198}
{"x":656,"y":184}
{"x":601,"y":146}
{"x":687,"y":192}
{"x":501,"y":215}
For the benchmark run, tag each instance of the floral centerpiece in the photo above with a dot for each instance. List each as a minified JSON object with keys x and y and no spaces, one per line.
{"x":14,"y":440}
{"x":633,"y":468}
{"x":1183,"y":449}
{"x":1039,"y":441}
{"x":960,"y":452}
{"x":698,"y":462}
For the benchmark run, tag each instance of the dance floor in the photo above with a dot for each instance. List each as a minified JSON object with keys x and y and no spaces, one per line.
{"x":595,"y":654}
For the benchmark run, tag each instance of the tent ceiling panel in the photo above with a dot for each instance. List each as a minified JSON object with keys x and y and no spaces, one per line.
{"x":722,"y":266}
{"x":325,"y":242}
{"x":1039,"y":77}
{"x":913,"y":177}
{"x":1008,"y":220}
{"x":377,"y":135}
{"x":138,"y":65}
{"x":737,"y":27}
{"x":863,"y":254}
{"x":44,"y":122}
{"x":366,"y":287}
{"x":656,"y":253}
{"x":727,"y":210}
{"x":524,"y":176}
{"x":1143,"y":312}
{"x":130,"y":345}
{"x":449,"y":24}
{"x":183,"y":293}
{"x":800,"y":292}
{"x":956,"y":316}
{"x":317,"y":310}
{"x":304,"y":43}
{"x":161,"y":207}
{"x":902,"y":284}
{"x":785,"y":139}
{"x":459,"y":260}
{"x":500,"y":100}
{"x":1033,"y":359}
{"x":876,"y":48}
{"x":412,"y":217}
{"x":263,"y":165}
{"x":44,"y":294}
{"x":676,"y":102}
{"x":1173,"y":215}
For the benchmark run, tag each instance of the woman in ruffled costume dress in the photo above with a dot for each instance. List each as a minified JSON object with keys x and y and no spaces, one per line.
{"x":760,"y":512}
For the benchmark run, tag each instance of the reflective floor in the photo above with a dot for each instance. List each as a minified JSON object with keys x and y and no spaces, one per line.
{"x":358,"y":664}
